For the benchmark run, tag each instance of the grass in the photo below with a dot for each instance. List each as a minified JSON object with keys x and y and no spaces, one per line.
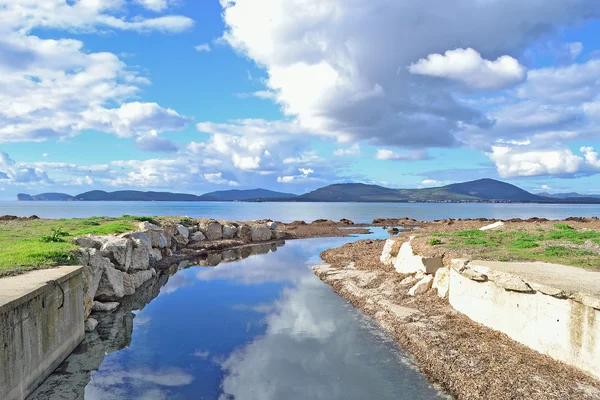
{"x":561,"y":244}
{"x":38,"y":244}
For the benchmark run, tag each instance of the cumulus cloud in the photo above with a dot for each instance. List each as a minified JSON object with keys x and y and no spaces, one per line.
{"x":526,"y":161}
{"x":154,"y":143}
{"x":339,"y":74}
{"x":154,"y":5}
{"x":468,"y":67}
{"x":353,"y":150}
{"x":18,"y":173}
{"x":218,"y":179}
{"x":385,"y":154}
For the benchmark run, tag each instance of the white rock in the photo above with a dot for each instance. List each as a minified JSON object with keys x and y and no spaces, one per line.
{"x":492,"y":226}
{"x":212,"y":230}
{"x":99,"y":306}
{"x":441,"y":282}
{"x":272,"y":225}
{"x":118,"y":250}
{"x":145,"y":226}
{"x":260,"y":233}
{"x":386,"y":256}
{"x":197,"y":237}
{"x":111,"y":285}
{"x":90,"y":324}
{"x":422,"y":286}
{"x":229,"y":231}
{"x":183,"y":231}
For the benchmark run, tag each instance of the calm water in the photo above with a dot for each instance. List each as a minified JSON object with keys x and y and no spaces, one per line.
{"x":287,"y":212}
{"x":261,"y":328}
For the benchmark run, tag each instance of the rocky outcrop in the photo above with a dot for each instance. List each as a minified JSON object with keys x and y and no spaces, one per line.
{"x":211,"y":229}
{"x":260,"y":233}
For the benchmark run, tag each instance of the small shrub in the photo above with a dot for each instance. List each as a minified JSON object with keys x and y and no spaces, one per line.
{"x":434,"y":242}
{"x":523,"y":243}
{"x":185,"y":221}
{"x":137,"y":218}
{"x":62,"y":257}
{"x":564,"y":227}
{"x":56,"y":236}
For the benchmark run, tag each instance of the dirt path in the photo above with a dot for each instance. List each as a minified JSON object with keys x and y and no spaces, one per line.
{"x":467,"y":359}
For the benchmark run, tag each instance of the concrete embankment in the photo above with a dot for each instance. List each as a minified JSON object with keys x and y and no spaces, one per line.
{"x":480,"y":329}
{"x":41,"y":322}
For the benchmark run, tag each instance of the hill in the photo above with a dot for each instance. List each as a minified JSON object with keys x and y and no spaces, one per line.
{"x":45,"y":197}
{"x":133,"y":195}
{"x":245,"y":195}
{"x":479,"y":190}
{"x":571,"y":195}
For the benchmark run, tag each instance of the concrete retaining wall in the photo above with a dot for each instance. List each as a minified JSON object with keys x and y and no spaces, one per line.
{"x":559,"y":327}
{"x":39,"y":326}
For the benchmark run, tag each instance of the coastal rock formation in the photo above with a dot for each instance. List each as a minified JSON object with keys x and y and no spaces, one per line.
{"x":386,"y":256}
{"x":407,"y":262}
{"x":229,"y":231}
{"x":260,"y":233}
{"x":211,"y":229}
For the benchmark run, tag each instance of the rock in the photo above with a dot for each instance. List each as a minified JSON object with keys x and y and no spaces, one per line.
{"x":88,"y":242}
{"x":183,"y":231}
{"x":180,"y":241}
{"x":142,"y":237}
{"x":408,"y":262}
{"x":197,"y":237}
{"x":155,"y":256}
{"x":128,"y":284}
{"x":441,"y":282}
{"x":272,"y":225}
{"x":260,"y":233}
{"x":111,"y":285}
{"x":278,"y":235}
{"x":244,"y":233}
{"x":92,"y":273}
{"x":393,"y":231}
{"x":422,"y":286}
{"x":140,"y":256}
{"x":230,"y":255}
{"x":145,"y":226}
{"x":132,"y":282}
{"x":157,"y":238}
{"x":90,"y":324}
{"x":168,"y":252}
{"x":492,"y":226}
{"x":386,"y":256}
{"x":100,"y":307}
{"x":212,"y":230}
{"x":229,"y":231}
{"x":474,"y":275}
{"x":118,"y":250}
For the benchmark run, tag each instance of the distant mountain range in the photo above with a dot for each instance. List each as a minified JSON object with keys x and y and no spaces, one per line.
{"x":482,"y":190}
{"x":569,"y":195}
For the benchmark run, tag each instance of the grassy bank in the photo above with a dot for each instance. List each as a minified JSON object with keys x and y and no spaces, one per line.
{"x":558,"y":243}
{"x":35,"y":244}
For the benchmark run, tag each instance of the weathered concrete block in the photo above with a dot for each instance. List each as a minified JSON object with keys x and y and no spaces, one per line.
{"x":407,"y":262}
{"x":40,"y":325}
{"x":386,"y":256}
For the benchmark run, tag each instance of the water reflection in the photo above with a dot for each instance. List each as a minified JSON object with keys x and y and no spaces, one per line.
{"x":259,"y":328}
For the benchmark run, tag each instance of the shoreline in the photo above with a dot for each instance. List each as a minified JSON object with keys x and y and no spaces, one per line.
{"x":467,"y":359}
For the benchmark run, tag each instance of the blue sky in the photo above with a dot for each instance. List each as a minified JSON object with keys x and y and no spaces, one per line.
{"x":195,"y":96}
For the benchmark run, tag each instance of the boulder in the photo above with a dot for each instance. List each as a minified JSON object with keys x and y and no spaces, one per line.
{"x":143,"y":238}
{"x":111,"y":285}
{"x":145,"y":226}
{"x":278,"y":235}
{"x":244,"y":233}
{"x":88,"y":242}
{"x":422,"y":286}
{"x":155,"y":256}
{"x":118,"y":250}
{"x":183,"y":231}
{"x":132,"y":282}
{"x":180,"y":241}
{"x":260,"y":233}
{"x":441,"y":282}
{"x":386,"y":256}
{"x":197,"y":237}
{"x":408,"y":262}
{"x":140,"y":256}
{"x":101,"y":307}
{"x":229,"y":231}
{"x":90,"y":324}
{"x":157,"y":238}
{"x":272,"y":225}
{"x":128,"y":284}
{"x":94,"y":265}
{"x":212,"y":230}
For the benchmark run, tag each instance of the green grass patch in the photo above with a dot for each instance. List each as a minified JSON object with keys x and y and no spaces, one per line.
{"x":38,"y":244}
{"x":434,"y":242}
{"x":137,"y":218}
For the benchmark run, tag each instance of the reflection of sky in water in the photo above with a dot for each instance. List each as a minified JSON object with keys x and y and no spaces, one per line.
{"x":261,"y":328}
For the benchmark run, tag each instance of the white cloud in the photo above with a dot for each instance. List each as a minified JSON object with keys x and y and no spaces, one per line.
{"x":218,"y":179}
{"x":385,"y":154}
{"x":468,"y":67}
{"x":338,"y":72}
{"x":431,"y":183}
{"x":154,"y":5}
{"x":526,"y":161}
{"x":204,"y":47}
{"x":19,"y":173}
{"x":353,"y":150}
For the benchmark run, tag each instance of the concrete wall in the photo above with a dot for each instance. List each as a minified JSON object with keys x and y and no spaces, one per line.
{"x":561,"y":328}
{"x":38,"y":330}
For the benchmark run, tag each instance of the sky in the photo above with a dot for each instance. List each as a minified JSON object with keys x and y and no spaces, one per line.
{"x":291,"y":95}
